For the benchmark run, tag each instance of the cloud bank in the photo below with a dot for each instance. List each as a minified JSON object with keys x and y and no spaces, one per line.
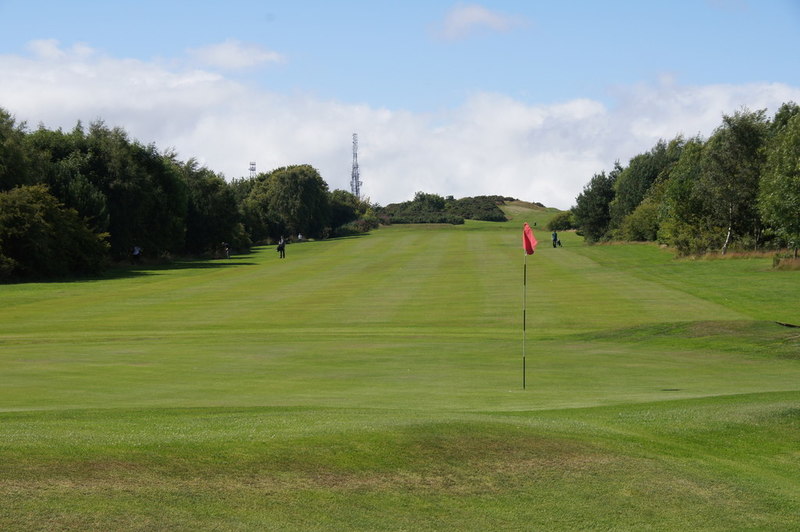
{"x":490,"y":144}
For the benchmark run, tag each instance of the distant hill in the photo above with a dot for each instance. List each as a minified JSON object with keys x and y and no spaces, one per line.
{"x":432,"y":208}
{"x":518,"y":210}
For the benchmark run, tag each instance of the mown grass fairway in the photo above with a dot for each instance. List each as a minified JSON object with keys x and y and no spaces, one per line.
{"x":374,"y":383}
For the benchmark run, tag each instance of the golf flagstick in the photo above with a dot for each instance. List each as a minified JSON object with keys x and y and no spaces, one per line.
{"x":529,"y":245}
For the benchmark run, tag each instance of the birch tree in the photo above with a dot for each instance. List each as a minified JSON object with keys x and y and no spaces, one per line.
{"x":734,"y":157}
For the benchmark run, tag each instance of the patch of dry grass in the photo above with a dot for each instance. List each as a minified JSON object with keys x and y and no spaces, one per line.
{"x":462,"y":470}
{"x":786,"y":263}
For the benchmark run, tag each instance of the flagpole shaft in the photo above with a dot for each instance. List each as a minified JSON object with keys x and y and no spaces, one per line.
{"x":524,"y":314}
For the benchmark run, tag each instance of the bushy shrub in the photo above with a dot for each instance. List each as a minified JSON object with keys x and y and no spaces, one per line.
{"x":362,"y":225}
{"x":642,"y":224}
{"x":691,"y":239}
{"x":562,"y":221}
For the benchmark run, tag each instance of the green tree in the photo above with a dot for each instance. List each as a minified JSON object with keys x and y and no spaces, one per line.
{"x":259,"y":222}
{"x":642,"y":224}
{"x":242,"y":187}
{"x":732,"y":164}
{"x":782,"y":116}
{"x":424,"y":202}
{"x":685,"y":220}
{"x":779,"y":192}
{"x":61,"y":161}
{"x":634,"y":182}
{"x":14,"y":160}
{"x":298,"y":196}
{"x":145,"y":193}
{"x":345,"y":208}
{"x":562,"y":221}
{"x":39,"y":237}
{"x":591,"y":211}
{"x":212,"y":215}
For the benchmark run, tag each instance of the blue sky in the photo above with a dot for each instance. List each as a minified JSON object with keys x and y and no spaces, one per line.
{"x":520,"y":98}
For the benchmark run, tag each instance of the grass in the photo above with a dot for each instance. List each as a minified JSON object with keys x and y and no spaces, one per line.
{"x":374,"y":383}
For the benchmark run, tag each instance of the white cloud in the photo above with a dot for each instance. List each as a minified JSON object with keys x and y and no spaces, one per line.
{"x":234,"y":55}
{"x":50,"y":49}
{"x":490,"y":144}
{"x":45,"y":49}
{"x":464,"y":20}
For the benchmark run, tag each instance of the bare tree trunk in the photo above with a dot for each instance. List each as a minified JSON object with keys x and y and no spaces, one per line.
{"x":727,"y":240}
{"x":730,"y":230}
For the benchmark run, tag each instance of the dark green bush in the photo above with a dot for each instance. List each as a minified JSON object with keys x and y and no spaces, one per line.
{"x":39,"y":237}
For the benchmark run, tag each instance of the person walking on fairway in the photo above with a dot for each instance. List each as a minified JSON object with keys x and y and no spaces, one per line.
{"x":555,"y":239}
{"x":282,"y":247}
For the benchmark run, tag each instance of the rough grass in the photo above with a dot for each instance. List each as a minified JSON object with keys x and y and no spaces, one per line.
{"x":786,"y":263}
{"x":374,"y":383}
{"x":656,"y":465}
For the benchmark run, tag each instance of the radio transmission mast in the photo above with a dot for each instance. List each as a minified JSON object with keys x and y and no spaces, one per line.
{"x":355,"y":182}
{"x":252,"y":169}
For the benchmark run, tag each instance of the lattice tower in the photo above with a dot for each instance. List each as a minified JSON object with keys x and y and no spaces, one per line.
{"x":355,"y":178}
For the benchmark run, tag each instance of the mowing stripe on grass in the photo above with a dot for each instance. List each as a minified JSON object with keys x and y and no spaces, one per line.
{"x":372,"y":383}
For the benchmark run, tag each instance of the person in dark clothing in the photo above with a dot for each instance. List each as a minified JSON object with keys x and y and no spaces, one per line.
{"x":282,"y":248}
{"x":555,"y":239}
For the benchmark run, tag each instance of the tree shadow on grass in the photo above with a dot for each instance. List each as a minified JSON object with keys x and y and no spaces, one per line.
{"x":127,"y":271}
{"x":139,"y":270}
{"x":347,"y":235}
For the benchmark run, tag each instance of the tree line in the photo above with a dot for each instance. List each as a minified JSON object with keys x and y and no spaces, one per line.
{"x":738,"y":189}
{"x":433,"y":208}
{"x":74,"y":202}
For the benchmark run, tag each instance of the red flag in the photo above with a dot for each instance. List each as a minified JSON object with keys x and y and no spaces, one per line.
{"x":528,"y":240}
